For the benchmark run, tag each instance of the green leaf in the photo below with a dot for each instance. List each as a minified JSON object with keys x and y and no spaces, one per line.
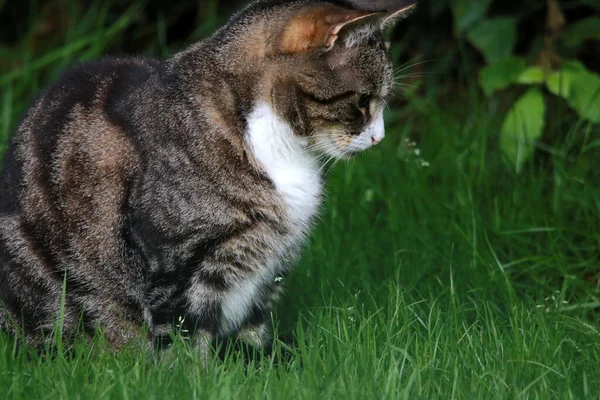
{"x":559,"y":83}
{"x":467,"y":12}
{"x":585,"y":95}
{"x":500,"y":75}
{"x":531,"y":76}
{"x":586,"y":29}
{"x":523,"y":125}
{"x":580,"y":87}
{"x":494,"y":38}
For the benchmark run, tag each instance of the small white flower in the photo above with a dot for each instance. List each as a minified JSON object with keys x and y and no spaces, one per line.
{"x":279,"y":279}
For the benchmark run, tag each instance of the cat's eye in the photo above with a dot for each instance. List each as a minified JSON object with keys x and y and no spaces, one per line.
{"x":364,"y":102}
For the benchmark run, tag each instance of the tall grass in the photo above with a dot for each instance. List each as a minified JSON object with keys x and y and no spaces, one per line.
{"x":435,"y":271}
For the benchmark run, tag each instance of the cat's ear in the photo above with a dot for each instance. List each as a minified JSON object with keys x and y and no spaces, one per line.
{"x":397,"y":14}
{"x":393,"y":10}
{"x":321,"y":27}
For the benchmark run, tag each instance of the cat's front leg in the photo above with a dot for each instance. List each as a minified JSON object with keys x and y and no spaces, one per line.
{"x":203,"y":341}
{"x":204,"y":299}
{"x":257,"y":335}
{"x":257,"y":331}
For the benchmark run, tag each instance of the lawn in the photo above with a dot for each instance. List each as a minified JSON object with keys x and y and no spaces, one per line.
{"x":435,"y":271}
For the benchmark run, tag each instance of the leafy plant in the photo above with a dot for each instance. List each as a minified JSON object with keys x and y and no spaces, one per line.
{"x":545,"y":73}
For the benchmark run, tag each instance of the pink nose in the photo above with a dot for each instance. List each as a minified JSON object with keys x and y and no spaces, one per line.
{"x":376,"y":140}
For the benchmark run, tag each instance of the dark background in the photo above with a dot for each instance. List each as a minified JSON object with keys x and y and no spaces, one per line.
{"x":430,"y":34}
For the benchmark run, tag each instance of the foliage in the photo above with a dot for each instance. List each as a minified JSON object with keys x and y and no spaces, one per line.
{"x":580,"y":87}
{"x":567,"y":78}
{"x":484,"y":36}
{"x":523,"y":125}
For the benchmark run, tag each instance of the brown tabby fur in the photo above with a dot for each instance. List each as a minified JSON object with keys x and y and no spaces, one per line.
{"x":133,"y":181}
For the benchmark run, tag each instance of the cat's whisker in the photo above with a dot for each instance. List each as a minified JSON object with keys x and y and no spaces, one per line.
{"x":402,"y":85}
{"x":330,"y":133}
{"x":319,"y":146}
{"x":409,"y":76}
{"x":415,"y":71}
{"x":411,"y":64}
{"x":321,"y":137}
{"x":335,"y":163}
{"x":318,"y":173}
{"x":398,"y":97}
{"x":325,"y":147}
{"x":386,"y":104}
{"x":414,"y":60}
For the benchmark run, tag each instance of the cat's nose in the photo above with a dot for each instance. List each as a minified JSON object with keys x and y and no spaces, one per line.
{"x":376,"y":139}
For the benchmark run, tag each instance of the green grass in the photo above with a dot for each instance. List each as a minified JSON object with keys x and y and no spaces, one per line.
{"x":460,"y":279}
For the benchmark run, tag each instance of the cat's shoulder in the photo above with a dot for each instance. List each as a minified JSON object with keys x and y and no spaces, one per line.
{"x":112,"y":65}
{"x":89,"y":76}
{"x":90,"y":85}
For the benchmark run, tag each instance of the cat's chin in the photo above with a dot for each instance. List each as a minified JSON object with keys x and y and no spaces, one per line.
{"x":350,"y":154}
{"x":330,"y":151}
{"x":344,"y":156}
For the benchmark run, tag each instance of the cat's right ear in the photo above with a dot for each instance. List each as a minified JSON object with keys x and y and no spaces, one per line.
{"x":319,"y":27}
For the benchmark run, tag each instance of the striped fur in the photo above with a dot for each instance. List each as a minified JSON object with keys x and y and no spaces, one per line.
{"x":157,"y":192}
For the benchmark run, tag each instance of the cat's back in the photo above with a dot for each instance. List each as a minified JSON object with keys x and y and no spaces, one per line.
{"x":72,"y":137}
{"x":72,"y":124}
{"x":63,"y":187}
{"x":83,"y":89}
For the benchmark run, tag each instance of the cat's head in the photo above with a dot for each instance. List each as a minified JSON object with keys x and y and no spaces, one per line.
{"x":329,"y":71}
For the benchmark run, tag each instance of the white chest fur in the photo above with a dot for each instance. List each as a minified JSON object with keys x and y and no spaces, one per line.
{"x":295,"y":173}
{"x":292,"y":168}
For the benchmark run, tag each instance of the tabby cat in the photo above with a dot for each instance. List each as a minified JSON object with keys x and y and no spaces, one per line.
{"x":154,"y":192}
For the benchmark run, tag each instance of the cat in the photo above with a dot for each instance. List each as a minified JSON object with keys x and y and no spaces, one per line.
{"x":151,"y":194}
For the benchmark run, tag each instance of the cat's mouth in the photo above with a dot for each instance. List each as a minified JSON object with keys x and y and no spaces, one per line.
{"x":341,"y":145}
